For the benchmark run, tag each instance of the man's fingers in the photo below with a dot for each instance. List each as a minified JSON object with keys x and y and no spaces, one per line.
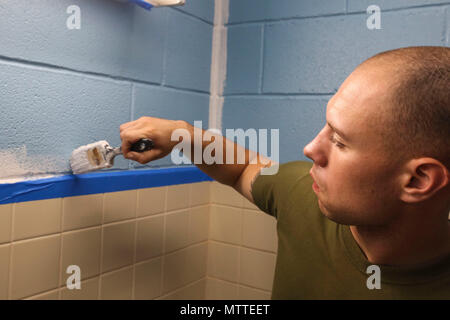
{"x":139,"y":123}
{"x":131,"y":156}
{"x":143,"y":157}
{"x":130,"y":136}
{"x":130,"y":133}
{"x":125,"y":126}
{"x":127,"y":142}
{"x":128,"y":125}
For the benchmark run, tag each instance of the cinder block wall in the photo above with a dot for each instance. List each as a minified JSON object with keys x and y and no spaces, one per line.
{"x":286,"y":58}
{"x":62,"y":88}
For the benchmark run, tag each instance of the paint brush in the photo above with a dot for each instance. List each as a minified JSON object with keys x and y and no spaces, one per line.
{"x":100,"y":155}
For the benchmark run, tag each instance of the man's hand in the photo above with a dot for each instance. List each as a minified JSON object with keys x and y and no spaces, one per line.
{"x":156,"y":129}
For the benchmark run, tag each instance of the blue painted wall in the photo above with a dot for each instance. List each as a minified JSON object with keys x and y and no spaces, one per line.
{"x":286,"y":58}
{"x":61,"y":88}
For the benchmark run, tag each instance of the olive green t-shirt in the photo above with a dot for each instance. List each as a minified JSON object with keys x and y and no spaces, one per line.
{"x":319,"y":259}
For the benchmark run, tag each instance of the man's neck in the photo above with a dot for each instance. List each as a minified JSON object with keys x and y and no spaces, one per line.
{"x":404,"y":242}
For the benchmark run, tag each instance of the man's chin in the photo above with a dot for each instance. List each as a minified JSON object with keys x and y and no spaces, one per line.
{"x":333,"y":217}
{"x":324,"y":210}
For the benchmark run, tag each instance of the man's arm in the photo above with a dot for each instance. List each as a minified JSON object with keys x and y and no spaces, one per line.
{"x":237,"y":172}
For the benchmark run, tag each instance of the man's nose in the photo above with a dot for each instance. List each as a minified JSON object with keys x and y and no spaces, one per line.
{"x":315,"y":151}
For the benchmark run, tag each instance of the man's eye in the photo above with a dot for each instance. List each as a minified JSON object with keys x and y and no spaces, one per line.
{"x":337,"y":143}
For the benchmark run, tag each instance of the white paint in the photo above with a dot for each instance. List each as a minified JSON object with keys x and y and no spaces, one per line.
{"x":16,"y":166}
{"x":218,"y":63}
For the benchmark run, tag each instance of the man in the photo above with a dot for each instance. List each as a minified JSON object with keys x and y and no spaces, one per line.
{"x":368,"y":219}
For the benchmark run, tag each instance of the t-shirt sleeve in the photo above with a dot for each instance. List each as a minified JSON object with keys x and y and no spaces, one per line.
{"x":271,"y":192}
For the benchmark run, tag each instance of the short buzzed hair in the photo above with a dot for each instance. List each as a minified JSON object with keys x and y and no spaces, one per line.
{"x":417,"y":123}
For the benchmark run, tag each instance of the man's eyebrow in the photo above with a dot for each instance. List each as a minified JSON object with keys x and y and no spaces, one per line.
{"x":340,"y":133}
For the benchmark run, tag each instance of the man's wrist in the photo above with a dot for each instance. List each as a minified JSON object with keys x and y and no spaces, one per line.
{"x":181,"y":124}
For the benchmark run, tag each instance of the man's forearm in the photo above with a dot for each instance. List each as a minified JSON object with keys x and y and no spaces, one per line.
{"x":226,"y":170}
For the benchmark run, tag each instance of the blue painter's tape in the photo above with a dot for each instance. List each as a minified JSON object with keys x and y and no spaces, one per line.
{"x":103,"y":182}
{"x":142,"y":3}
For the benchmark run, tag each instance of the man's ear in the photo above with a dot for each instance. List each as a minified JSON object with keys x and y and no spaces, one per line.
{"x":422,"y":178}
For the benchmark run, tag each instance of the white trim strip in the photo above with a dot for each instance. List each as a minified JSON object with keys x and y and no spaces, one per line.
{"x":218,"y":63}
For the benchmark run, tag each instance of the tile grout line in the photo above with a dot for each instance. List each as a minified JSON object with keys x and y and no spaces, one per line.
{"x":206,"y":270}
{"x":185,"y":247}
{"x":133,"y":283}
{"x":13,"y":215}
{"x":208,"y":243}
{"x":82,"y":229}
{"x":101,"y":250}
{"x":243,"y":246}
{"x":190,"y":233}
{"x":176,"y":290}
{"x":128,"y":266}
{"x":239,"y":284}
{"x":233,"y":283}
{"x":221,"y":205}
{"x":59,"y":288}
{"x":37,"y":294}
{"x":60,"y":280}
{"x":189,"y":211}
{"x":240,"y":251}
{"x":163,"y":254}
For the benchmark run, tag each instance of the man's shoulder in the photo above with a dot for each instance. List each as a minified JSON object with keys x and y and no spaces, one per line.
{"x":270,"y":192}
{"x":293,"y":169}
{"x":289,"y":174}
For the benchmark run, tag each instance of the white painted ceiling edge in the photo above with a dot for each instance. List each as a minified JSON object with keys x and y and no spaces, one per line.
{"x":218,"y":63}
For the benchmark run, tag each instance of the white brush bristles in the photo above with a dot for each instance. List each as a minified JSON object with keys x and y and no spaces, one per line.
{"x":90,"y":158}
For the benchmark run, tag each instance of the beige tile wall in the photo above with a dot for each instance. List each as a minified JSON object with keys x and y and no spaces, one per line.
{"x":192,"y":241}
{"x":242,"y":247}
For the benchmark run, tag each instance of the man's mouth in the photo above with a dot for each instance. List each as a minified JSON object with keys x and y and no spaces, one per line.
{"x":315,"y":186}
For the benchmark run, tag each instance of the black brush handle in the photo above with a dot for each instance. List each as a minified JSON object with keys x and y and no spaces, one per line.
{"x":142,"y":145}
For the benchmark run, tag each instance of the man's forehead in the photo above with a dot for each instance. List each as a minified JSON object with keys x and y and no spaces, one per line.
{"x":336,"y":118}
{"x":355,"y":109}
{"x":363,"y":92}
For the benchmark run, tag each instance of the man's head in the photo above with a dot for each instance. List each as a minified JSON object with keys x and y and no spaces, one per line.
{"x":385,"y":146}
